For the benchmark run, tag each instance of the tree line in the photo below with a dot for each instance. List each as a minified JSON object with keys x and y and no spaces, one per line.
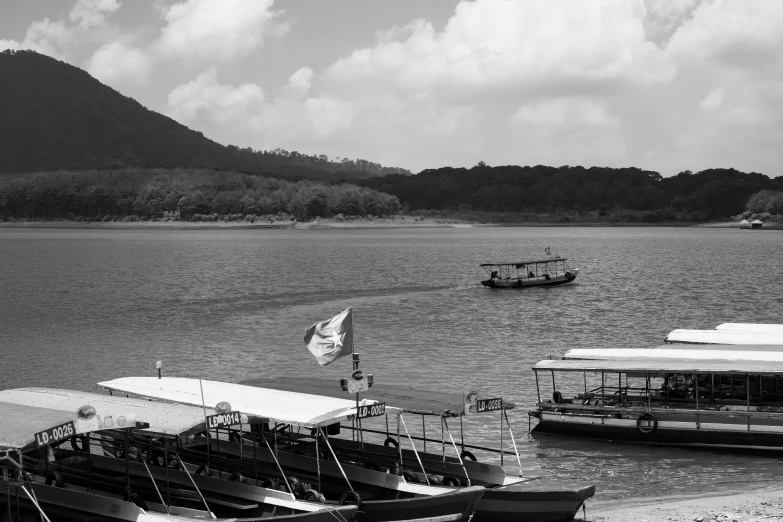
{"x":703,"y":195}
{"x":195,"y":194}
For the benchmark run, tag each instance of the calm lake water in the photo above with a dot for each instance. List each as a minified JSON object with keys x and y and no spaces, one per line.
{"x":80,"y":306}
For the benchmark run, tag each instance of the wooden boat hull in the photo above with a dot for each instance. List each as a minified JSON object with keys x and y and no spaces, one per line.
{"x":529,"y":501}
{"x":455,"y":506}
{"x":532,"y":502}
{"x":525,"y":282}
{"x":414,"y":502}
{"x":675,"y":430}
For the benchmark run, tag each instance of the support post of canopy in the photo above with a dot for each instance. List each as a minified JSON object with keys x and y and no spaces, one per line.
{"x":511,"y":434}
{"x":501,"y":429}
{"x":185,"y":469}
{"x":274,"y":456}
{"x":399,"y":445}
{"x":461,"y":463}
{"x":337,"y":461}
{"x":696,"y":391}
{"x":7,"y":481}
{"x":156,"y":486}
{"x":747,"y":396}
{"x":318,"y":458}
{"x":166,"y":460}
{"x":423,"y":432}
{"x":538,"y":390}
{"x":414,"y":450}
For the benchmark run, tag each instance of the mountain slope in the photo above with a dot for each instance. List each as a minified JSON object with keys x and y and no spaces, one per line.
{"x":56,"y":116}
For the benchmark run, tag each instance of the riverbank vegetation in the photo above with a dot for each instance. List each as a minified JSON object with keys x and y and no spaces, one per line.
{"x":182,"y":194}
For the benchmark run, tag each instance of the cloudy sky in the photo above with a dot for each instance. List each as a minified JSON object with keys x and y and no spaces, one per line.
{"x":666,"y":85}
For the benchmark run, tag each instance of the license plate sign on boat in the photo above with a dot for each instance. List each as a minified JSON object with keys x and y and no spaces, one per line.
{"x":63,"y":431}
{"x":374,"y":410}
{"x":483,"y":405}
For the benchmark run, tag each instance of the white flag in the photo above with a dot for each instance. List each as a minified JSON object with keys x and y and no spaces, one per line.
{"x":331,"y":339}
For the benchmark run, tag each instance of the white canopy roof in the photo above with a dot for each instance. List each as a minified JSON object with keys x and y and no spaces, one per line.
{"x":693,"y":352}
{"x":300,"y":409}
{"x":751,"y":327}
{"x":166,"y":419}
{"x":20,"y":424}
{"x":724,"y":337}
{"x":659,"y":366}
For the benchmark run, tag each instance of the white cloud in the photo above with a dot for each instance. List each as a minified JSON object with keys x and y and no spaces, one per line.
{"x":218,"y":29}
{"x":45,"y":36}
{"x":206,"y":100}
{"x":490,"y":44}
{"x":301,"y":79}
{"x":89,"y":13}
{"x":568,"y":131}
{"x":116,"y":64}
{"x":712,"y":100}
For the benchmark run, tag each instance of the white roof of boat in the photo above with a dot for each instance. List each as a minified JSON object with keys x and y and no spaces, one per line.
{"x":750,"y":327}
{"x":20,"y":424}
{"x":165,"y":419}
{"x":658,"y":366}
{"x":300,"y":409}
{"x":693,"y":352}
{"x":724,"y":337}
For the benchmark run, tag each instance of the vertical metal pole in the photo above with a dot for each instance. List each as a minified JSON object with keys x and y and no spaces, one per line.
{"x":399,"y":445}
{"x":696,"y":391}
{"x":424,"y":433}
{"x":554,"y":386}
{"x":462,"y":431}
{"x":89,"y":463}
{"x":584,"y":376}
{"x":501,"y":429}
{"x":255,"y":451}
{"x":747,"y":396}
{"x":318,"y":457}
{"x":538,"y":390}
{"x":166,"y":460}
{"x":649,"y":392}
{"x":7,"y":481}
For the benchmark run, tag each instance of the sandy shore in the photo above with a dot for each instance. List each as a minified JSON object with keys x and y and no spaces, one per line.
{"x":759,"y":506}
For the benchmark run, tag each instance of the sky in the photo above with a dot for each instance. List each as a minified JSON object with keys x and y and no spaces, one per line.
{"x":665,"y":85}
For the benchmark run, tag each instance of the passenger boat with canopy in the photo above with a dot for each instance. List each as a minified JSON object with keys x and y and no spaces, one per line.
{"x":522,"y":274}
{"x":724,"y":336}
{"x":522,"y":498}
{"x":751,"y":327}
{"x":721,"y":402}
{"x":312,"y":459}
{"x":156,"y":476}
{"x":31,"y":484}
{"x":694,"y":352}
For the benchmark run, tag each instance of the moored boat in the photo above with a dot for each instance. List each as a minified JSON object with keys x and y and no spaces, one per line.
{"x":717,"y":403}
{"x":381,"y":496}
{"x":150,"y":466}
{"x":772,"y":337}
{"x":535,"y":272}
{"x":524,"y":497}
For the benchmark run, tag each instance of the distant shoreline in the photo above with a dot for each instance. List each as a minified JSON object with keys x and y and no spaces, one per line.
{"x":347,"y":225}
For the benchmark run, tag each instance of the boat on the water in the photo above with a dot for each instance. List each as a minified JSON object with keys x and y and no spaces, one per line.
{"x":33,"y":487}
{"x":156,"y":466}
{"x":311,"y":458}
{"x":524,"y":497}
{"x":770,"y":336}
{"x":730,"y":400}
{"x":751,"y":327}
{"x":535,"y":272}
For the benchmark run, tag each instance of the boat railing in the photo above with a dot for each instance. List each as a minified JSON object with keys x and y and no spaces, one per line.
{"x":661,"y":408}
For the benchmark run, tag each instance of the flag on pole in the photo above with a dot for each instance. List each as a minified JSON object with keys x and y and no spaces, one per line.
{"x":331,"y":339}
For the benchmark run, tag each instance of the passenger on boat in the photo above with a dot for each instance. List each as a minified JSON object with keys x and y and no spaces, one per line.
{"x":531,"y":274}
{"x":494,"y":274}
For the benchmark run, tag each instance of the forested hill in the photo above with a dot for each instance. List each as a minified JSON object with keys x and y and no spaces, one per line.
{"x":56,"y":116}
{"x":710,"y":193}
